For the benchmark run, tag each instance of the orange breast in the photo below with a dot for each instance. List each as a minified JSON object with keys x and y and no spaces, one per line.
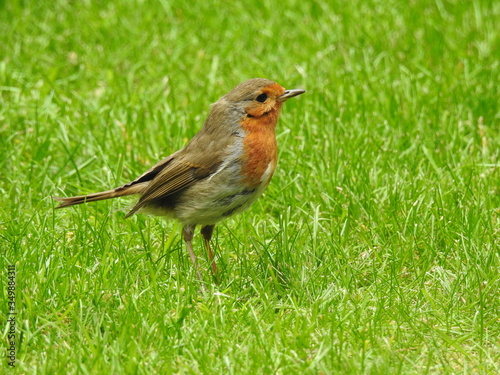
{"x":259,"y":147}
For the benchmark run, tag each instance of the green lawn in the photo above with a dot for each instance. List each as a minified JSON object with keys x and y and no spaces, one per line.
{"x":375,"y":249}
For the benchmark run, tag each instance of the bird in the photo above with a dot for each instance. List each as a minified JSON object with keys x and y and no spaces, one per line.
{"x":221,"y":171}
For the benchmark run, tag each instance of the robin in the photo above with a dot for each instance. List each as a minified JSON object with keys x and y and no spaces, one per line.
{"x":223,"y":169}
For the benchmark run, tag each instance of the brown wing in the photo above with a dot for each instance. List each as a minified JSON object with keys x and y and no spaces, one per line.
{"x":201,"y":157}
{"x":176,"y":176}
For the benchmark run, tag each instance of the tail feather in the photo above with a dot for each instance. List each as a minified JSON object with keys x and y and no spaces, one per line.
{"x":118,"y":192}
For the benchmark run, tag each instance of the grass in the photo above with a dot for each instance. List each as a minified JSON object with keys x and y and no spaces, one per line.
{"x":375,"y":250}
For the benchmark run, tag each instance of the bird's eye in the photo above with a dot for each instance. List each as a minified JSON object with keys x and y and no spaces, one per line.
{"x":261,"y":98}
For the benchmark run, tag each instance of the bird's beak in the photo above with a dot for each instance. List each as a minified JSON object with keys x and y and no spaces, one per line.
{"x":290,"y":94}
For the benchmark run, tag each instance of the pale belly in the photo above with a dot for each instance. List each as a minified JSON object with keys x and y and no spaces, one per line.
{"x":219,"y":197}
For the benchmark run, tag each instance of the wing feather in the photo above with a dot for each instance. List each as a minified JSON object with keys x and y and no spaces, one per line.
{"x":174,"y":178}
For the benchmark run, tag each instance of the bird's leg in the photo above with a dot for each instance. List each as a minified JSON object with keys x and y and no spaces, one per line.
{"x":207,"y":232}
{"x":188,"y":232}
